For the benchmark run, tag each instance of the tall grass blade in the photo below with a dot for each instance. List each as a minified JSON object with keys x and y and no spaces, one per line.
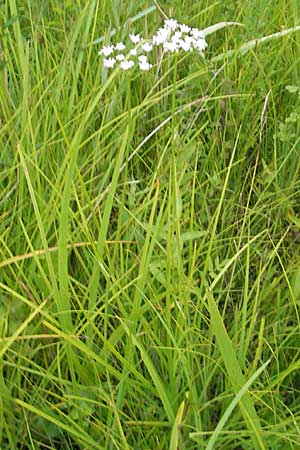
{"x":213,"y":439}
{"x":161,"y":391}
{"x":245,"y":48}
{"x":174,"y":443}
{"x":235,"y":375}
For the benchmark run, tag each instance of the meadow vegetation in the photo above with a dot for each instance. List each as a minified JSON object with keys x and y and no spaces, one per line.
{"x":150,"y":230}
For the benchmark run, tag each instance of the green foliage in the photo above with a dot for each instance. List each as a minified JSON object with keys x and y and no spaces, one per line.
{"x":150,"y":224}
{"x":288,"y":129}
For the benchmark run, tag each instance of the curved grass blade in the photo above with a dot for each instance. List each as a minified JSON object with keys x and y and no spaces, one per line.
{"x":254,"y":43}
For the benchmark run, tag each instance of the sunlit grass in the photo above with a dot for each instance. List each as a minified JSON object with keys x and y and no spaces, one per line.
{"x":149,"y":266}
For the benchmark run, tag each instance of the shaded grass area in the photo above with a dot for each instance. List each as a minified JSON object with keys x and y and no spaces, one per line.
{"x":149,"y":231}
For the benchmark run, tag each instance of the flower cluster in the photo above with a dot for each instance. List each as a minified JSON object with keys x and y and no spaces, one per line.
{"x":172,"y":38}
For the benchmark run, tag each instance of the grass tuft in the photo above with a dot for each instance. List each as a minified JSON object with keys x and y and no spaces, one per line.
{"x":149,"y":261}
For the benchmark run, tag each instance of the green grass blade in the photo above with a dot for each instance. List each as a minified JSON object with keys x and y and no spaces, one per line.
{"x":174,"y":442}
{"x":94,"y":281}
{"x":72,"y":428}
{"x":161,"y":390}
{"x":237,"y":398}
{"x":255,"y":43}
{"x":235,"y":375}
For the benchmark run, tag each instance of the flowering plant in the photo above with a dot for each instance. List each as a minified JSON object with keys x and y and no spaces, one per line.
{"x":172,"y":38}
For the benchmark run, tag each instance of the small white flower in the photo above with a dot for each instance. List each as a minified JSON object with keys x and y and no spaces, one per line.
{"x":170,"y":47}
{"x":126,"y":65}
{"x":161,"y":36}
{"x":107,"y":50}
{"x":189,"y":41}
{"x":200,"y":44}
{"x":171,"y":24}
{"x":109,"y":62}
{"x":147,"y":47}
{"x":197,"y":34}
{"x":145,"y":66}
{"x":176,"y":40}
{"x":178,"y":34}
{"x":133,"y":52}
{"x":143,"y":63}
{"x":142,"y":58}
{"x":120,"y":46}
{"x":184,"y":28}
{"x":185,"y":45}
{"x":120,"y":57}
{"x":135,"y":38}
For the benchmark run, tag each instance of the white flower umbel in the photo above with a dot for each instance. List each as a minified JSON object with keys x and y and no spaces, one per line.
{"x":173,"y":37}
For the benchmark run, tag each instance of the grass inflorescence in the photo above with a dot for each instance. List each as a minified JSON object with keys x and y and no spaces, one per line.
{"x":150,"y":228}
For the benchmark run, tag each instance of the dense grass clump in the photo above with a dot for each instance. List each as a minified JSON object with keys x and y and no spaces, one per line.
{"x":150,"y":230}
